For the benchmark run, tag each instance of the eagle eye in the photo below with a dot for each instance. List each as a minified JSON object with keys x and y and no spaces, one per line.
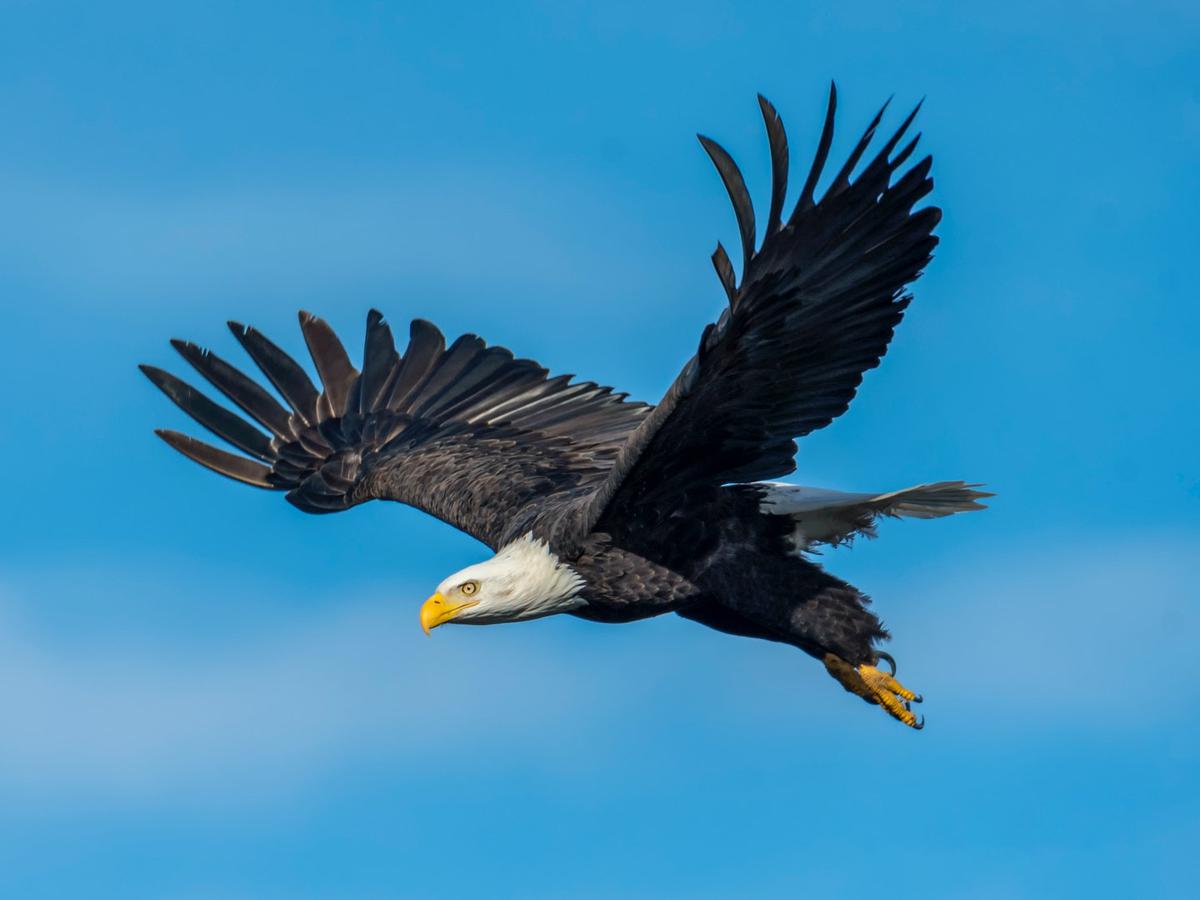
{"x":469,"y":587}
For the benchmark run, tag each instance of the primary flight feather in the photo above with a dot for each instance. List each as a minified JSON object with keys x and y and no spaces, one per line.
{"x":609,"y":509}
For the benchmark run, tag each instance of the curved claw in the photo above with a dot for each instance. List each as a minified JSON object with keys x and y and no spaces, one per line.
{"x":874,"y":685}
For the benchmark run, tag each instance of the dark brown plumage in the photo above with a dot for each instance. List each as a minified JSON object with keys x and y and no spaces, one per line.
{"x":656,"y":509}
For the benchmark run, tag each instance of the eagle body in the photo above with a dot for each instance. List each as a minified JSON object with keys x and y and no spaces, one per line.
{"x":606,"y":508}
{"x":732,"y":567}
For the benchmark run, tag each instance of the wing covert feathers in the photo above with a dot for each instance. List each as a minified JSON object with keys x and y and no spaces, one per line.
{"x":815,"y":309}
{"x":467,"y":432}
{"x":494,"y":444}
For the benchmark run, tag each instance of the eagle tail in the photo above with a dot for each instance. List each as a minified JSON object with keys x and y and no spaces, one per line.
{"x":823,"y":516}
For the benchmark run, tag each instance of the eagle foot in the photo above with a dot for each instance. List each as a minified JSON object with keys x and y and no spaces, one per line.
{"x":877,"y":686}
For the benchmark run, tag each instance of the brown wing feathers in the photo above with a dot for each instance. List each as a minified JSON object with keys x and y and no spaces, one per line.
{"x":403,"y":426}
{"x":815,"y":308}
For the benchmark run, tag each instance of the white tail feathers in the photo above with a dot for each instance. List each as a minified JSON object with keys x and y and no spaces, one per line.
{"x":823,"y":516}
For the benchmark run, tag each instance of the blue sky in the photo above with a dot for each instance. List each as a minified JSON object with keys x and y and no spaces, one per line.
{"x":209,"y":695}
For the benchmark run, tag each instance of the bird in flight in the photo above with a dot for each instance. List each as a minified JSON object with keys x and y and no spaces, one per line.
{"x":614,"y":510}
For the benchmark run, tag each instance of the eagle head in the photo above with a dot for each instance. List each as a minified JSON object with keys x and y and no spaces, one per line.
{"x":524,"y":580}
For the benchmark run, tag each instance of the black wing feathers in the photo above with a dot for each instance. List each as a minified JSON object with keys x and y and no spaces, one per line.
{"x":281,"y":370}
{"x":237,"y":467}
{"x":824,"y":144}
{"x":380,"y":361}
{"x":815,"y":309}
{"x":337,"y":373}
{"x":495,"y":446}
{"x":777,"y":139}
{"x":486,"y":442}
{"x":237,"y":387}
{"x":217,"y":419}
{"x":725,"y":272}
{"x":425,"y":347}
{"x":743,"y":209}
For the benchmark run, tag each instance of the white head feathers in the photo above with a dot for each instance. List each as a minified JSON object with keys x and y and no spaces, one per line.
{"x":525,"y":580}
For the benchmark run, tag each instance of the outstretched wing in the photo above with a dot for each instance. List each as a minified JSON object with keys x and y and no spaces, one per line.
{"x":816,"y":308}
{"x":485,"y":442}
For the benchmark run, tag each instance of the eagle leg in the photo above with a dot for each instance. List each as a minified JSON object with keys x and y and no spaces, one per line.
{"x":877,"y":686}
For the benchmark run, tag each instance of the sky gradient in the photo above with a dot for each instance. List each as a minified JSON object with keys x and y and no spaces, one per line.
{"x":207,"y":694}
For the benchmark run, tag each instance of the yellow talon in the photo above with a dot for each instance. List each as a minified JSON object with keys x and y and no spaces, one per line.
{"x":876,"y":686}
{"x":880,"y":680}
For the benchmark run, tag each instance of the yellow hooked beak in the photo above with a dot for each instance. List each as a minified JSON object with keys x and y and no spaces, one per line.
{"x":437,"y":610}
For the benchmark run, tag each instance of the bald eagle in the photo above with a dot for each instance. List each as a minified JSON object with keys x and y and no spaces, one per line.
{"x":614,"y":510}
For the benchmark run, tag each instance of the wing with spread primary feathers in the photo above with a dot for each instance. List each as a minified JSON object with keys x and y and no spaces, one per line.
{"x":488,"y":443}
{"x":815,"y":309}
